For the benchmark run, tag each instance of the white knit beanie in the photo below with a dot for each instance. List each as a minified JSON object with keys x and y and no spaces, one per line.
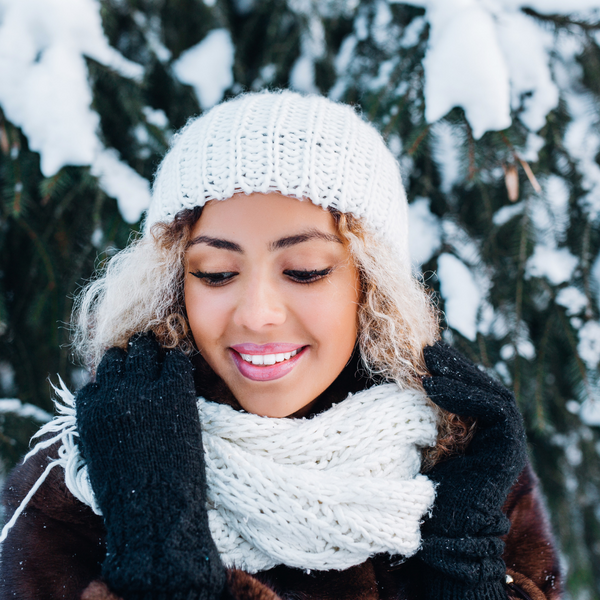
{"x":307,"y":147}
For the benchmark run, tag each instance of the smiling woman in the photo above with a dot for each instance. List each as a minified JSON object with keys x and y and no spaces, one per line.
{"x":271,"y":414}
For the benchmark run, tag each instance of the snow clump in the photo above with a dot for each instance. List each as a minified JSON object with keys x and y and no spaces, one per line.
{"x":461,"y":295}
{"x":207,"y":67}
{"x":489,"y":58}
{"x":45,"y":89}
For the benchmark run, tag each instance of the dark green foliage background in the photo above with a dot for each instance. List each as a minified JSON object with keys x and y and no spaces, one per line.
{"x":47,"y":226}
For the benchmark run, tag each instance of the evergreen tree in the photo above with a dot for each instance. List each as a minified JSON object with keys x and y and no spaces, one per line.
{"x":507,"y":217}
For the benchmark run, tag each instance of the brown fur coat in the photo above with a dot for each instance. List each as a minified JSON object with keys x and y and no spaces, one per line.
{"x":56,"y":548}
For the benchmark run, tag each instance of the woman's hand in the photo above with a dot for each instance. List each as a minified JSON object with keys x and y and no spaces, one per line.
{"x":461,"y":538}
{"x":141,"y":439}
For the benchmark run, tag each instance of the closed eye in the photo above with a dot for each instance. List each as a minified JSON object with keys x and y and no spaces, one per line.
{"x":215,"y":279}
{"x":304,"y":276}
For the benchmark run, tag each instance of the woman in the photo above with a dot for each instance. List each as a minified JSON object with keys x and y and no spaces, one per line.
{"x":257,"y":428}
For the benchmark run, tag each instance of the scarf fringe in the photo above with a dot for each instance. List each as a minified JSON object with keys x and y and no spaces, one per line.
{"x":64,"y":429}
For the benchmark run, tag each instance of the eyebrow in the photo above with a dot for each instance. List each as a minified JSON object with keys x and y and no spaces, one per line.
{"x":311,"y":234}
{"x":285,"y":242}
{"x":216,"y":243}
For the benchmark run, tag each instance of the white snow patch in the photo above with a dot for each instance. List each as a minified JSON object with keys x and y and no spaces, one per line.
{"x":524,"y":348}
{"x":464,"y":246}
{"x":383,"y":76}
{"x":150,"y":27}
{"x":525,"y":48}
{"x":464,"y":66}
{"x":461,"y":295}
{"x":141,"y":134}
{"x":44,"y":76}
{"x":345,"y":54}
{"x":557,"y":194}
{"x":556,"y":265}
{"x":446,"y":146}
{"x":361,"y":27}
{"x":487,"y":316}
{"x":412,"y":32}
{"x":549,"y":212}
{"x":582,"y":138}
{"x":533,"y":145}
{"x":380,"y":30}
{"x":589,"y":412}
{"x":488,"y":57}
{"x":394,"y":143}
{"x":502,"y":370}
{"x":312,"y":47}
{"x":97,"y":238}
{"x":342,"y":64}
{"x":576,"y":322}
{"x":589,"y":344}
{"x":506,"y":213}
{"x":156,"y":117}
{"x":45,"y":88}
{"x":572,"y":299}
{"x":48,"y":96}
{"x":573,"y":454}
{"x":500,"y":326}
{"x":12,"y":405}
{"x":302,"y":75}
{"x":424,"y":232}
{"x":120,"y":181}
{"x":595,"y":277}
{"x":207,"y":67}
{"x":507,"y":352}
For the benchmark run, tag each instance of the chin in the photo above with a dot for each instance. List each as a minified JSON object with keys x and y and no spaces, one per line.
{"x":264,"y":408}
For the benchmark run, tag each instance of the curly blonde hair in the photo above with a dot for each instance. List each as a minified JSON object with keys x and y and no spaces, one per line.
{"x":142,"y":289}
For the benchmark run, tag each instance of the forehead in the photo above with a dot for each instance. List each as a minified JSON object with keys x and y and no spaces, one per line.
{"x":262,"y":215}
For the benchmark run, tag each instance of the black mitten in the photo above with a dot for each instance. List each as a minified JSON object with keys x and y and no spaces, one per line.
{"x":461,"y":539}
{"x":140,"y":435}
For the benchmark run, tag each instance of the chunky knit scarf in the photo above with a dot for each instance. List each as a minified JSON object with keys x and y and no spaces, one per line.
{"x":320,"y":493}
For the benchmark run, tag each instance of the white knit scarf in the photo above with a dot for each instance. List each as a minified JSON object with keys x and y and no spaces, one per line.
{"x":321,"y":493}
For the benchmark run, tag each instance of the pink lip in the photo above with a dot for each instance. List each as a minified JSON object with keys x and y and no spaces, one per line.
{"x":275,"y":348}
{"x":265,"y":372}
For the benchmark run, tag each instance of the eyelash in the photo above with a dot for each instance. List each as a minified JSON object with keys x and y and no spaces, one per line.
{"x":214,"y":279}
{"x":303,"y":277}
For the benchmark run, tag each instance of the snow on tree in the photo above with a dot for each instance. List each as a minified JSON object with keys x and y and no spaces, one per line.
{"x":492,"y":108}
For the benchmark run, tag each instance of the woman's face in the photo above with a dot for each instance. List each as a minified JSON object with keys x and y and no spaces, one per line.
{"x":271,"y":295}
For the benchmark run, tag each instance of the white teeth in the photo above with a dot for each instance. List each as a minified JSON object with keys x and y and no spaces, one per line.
{"x":268,"y":359}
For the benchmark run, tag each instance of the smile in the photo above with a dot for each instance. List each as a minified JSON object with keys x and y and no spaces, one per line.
{"x":268,"y":359}
{"x":268,"y":362}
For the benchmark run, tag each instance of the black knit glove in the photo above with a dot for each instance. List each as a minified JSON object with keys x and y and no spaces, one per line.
{"x":140,"y":436}
{"x":461,"y":545}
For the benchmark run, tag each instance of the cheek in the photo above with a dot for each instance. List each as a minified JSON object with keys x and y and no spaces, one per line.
{"x":207,"y":315}
{"x":332,"y":315}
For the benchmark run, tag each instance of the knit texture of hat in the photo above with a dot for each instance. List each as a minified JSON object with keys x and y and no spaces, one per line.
{"x":307,"y":147}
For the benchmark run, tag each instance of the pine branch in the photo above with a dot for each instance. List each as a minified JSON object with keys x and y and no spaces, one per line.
{"x":562,"y":20}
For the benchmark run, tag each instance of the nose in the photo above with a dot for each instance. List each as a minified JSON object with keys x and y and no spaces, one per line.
{"x":260,"y":305}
